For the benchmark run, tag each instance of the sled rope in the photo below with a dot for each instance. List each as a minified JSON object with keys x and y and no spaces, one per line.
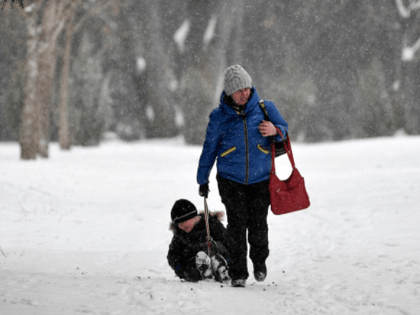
{"x":206,"y":216}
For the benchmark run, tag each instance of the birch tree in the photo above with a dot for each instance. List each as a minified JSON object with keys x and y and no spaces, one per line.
{"x":29,"y":121}
{"x":45,"y":19}
{"x":54,"y":17}
{"x":409,"y":84}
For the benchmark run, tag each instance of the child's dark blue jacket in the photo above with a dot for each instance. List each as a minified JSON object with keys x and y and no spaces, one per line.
{"x":243,"y":154}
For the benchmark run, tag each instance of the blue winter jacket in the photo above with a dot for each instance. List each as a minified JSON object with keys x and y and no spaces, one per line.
{"x":243,"y":154}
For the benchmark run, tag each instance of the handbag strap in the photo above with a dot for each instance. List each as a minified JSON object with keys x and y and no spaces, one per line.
{"x":264,"y":109}
{"x":286,"y":142}
{"x":289,"y":152}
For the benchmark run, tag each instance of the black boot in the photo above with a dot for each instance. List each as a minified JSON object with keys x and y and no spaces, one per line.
{"x":260,"y":272}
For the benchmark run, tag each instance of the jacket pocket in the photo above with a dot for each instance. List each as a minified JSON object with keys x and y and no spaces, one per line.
{"x":262,"y":149}
{"x":228,"y":151}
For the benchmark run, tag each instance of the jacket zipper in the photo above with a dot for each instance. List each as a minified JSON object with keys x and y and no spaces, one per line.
{"x":246,"y":150}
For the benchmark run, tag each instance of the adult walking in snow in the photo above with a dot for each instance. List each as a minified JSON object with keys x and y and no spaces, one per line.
{"x":238,"y":137}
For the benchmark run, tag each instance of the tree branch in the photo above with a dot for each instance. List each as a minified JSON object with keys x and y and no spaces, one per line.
{"x":30,"y":9}
{"x":68,"y":7}
{"x":409,"y":52}
{"x":402,"y":10}
{"x":95,"y":10}
{"x":65,"y":12}
{"x":405,"y":12}
{"x":416,"y":46}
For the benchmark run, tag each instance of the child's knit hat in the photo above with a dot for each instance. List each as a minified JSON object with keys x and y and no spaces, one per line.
{"x":183,"y":210}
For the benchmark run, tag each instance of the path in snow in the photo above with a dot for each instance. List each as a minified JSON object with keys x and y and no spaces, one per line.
{"x":86,"y":231}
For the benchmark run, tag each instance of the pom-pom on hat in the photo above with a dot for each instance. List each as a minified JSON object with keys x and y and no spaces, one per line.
{"x":235,"y":79}
{"x":183,"y":210}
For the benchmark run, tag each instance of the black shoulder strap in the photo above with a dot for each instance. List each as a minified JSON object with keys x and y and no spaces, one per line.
{"x":264,"y":109}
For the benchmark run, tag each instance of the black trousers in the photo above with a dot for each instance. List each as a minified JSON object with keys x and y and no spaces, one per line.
{"x":247,"y":210}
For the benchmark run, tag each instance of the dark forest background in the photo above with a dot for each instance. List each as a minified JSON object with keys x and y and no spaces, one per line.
{"x":74,"y":71}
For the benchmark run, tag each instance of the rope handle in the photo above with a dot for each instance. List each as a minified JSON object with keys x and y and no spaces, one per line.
{"x":206,"y":216}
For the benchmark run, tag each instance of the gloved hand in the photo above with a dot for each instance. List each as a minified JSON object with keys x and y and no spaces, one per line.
{"x":204,"y":190}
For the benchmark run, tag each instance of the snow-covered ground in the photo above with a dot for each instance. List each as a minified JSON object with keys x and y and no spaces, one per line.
{"x":86,"y":232}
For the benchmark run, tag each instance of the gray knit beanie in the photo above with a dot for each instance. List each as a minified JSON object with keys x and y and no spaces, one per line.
{"x":235,"y":79}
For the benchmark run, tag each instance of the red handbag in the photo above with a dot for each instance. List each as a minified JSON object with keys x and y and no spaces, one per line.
{"x":289,"y":195}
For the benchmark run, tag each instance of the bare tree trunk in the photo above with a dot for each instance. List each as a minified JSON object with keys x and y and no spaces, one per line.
{"x":160,"y":99}
{"x":228,"y":38}
{"x":204,"y":63}
{"x":63,"y":126}
{"x":410,"y":79}
{"x":41,"y":63}
{"x":64,"y":137}
{"x":46,"y":64}
{"x":233,"y":33}
{"x":411,"y":96}
{"x":29,"y":127}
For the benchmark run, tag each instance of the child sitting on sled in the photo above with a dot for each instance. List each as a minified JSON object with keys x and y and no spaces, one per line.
{"x":188,"y":253}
